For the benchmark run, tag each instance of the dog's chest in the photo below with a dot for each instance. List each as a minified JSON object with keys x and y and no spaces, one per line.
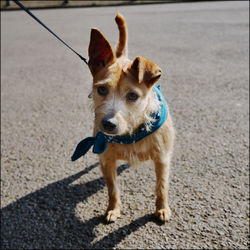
{"x":139,"y":151}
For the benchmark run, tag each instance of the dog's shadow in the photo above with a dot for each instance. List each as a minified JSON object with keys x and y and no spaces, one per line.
{"x":46,"y":218}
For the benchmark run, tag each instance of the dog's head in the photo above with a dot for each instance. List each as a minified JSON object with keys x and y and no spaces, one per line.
{"x":122,"y":89}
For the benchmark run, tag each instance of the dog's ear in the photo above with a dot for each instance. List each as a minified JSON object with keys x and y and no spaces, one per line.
{"x":100,"y":52}
{"x":145,"y":71}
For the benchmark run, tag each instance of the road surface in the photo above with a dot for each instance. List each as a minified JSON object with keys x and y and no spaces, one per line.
{"x":49,"y":202}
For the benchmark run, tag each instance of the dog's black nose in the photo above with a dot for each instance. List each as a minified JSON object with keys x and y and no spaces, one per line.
{"x":109,"y":124}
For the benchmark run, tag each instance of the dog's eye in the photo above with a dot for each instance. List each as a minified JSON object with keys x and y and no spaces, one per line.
{"x":131,"y":97}
{"x":102,"y":90}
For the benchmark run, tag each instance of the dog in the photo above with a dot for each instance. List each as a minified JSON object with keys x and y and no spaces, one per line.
{"x":124,"y":101}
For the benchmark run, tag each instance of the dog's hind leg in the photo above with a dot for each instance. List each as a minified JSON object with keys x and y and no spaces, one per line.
{"x":108,"y":167}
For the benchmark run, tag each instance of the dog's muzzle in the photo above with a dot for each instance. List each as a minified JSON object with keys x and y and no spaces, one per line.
{"x":109,"y":124}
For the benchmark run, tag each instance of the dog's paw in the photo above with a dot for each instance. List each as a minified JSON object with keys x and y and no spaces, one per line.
{"x":112,"y":215}
{"x":163,"y":214}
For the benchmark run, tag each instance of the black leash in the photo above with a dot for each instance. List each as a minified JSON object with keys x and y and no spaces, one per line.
{"x":33,"y":16}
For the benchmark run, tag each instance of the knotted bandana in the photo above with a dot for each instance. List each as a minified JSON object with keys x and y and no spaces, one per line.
{"x":100,"y":141}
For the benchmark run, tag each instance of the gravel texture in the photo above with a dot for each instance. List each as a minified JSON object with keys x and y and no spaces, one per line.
{"x":49,"y":202}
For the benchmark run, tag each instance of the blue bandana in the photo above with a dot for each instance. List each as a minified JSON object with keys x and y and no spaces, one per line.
{"x":100,"y":141}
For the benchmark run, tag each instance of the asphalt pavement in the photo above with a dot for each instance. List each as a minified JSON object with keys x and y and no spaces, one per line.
{"x":48,"y":202}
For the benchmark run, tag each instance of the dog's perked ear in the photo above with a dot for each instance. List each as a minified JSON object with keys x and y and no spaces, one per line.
{"x":100,"y":52}
{"x":145,"y":71}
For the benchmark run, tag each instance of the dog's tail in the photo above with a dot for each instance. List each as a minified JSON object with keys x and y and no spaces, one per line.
{"x":121,"y":48}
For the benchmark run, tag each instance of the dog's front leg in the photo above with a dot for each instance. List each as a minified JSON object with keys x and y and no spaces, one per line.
{"x":108,"y":167}
{"x":162,"y":165}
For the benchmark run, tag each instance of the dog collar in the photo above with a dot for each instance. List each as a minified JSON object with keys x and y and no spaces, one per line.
{"x":100,"y":141}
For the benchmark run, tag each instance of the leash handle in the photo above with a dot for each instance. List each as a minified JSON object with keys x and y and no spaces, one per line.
{"x":39,"y":21}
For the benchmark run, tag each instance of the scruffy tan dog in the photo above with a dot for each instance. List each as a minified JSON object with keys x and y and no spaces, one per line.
{"x":123,"y":102}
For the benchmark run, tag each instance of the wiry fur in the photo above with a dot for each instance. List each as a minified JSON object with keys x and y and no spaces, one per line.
{"x":120,"y":76}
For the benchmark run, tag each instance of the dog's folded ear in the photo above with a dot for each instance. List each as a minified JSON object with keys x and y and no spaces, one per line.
{"x":100,"y":52}
{"x":145,"y":71}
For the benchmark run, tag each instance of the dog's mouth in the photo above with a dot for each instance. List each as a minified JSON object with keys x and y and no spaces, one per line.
{"x":109,"y":133}
{"x":109,"y":129}
{"x":113,"y":131}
